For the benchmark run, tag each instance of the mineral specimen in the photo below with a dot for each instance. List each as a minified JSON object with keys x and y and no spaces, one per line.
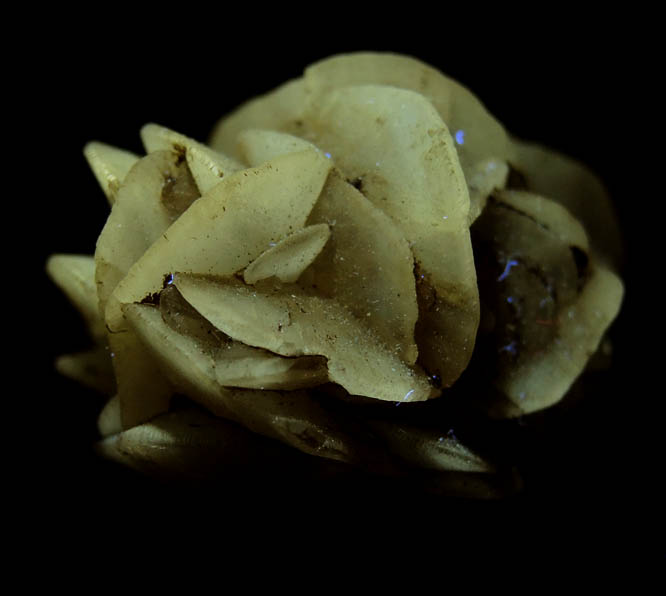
{"x":353,"y":237}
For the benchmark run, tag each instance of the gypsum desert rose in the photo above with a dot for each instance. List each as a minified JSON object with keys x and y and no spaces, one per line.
{"x":368,"y":234}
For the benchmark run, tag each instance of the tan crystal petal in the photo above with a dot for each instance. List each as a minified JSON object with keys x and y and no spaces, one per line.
{"x":91,"y":368}
{"x":234,"y":364}
{"x":559,"y":177}
{"x":548,"y":214}
{"x":552,"y":305}
{"x":290,"y":417}
{"x":75,"y":276}
{"x":229,"y":227}
{"x":188,"y":364}
{"x":187,"y":443}
{"x":138,"y":218}
{"x":395,"y":142}
{"x":110,"y":165}
{"x":259,"y":145}
{"x":483,"y":178}
{"x":280,"y":109}
{"x":545,"y":379}
{"x":252,"y":368}
{"x":367,"y":266}
{"x":207,"y":166}
{"x":108,"y":422}
{"x":289,"y":322}
{"x":428,"y":449}
{"x":289,"y":257}
{"x":142,"y":390}
{"x":479,"y":136}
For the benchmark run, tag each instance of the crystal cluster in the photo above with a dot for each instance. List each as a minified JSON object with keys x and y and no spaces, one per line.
{"x":365,"y":233}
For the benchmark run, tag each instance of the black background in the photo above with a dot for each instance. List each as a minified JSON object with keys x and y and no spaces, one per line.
{"x":576,"y":85}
